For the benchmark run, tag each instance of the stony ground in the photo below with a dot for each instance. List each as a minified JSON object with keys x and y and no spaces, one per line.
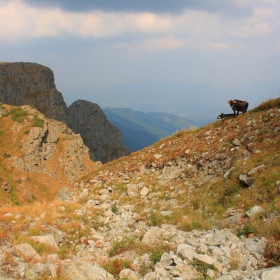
{"x":197,"y":254}
{"x":152,"y":215}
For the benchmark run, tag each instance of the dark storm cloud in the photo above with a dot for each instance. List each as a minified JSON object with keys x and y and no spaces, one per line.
{"x":156,"y":6}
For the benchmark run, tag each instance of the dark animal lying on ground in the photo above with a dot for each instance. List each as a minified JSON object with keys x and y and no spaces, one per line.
{"x":238,"y":106}
{"x":222,"y":115}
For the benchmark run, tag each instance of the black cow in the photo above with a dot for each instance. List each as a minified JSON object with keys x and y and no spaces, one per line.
{"x":238,"y":106}
{"x":222,"y":116}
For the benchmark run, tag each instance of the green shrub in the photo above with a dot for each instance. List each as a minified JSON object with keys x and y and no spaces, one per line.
{"x":155,"y":219}
{"x":196,"y":225}
{"x":155,"y":256}
{"x":38,"y":122}
{"x":6,"y":155}
{"x":116,"y":266}
{"x":230,"y":190}
{"x":127,"y":243}
{"x":121,"y":188}
{"x":26,"y":131}
{"x":202,"y":268}
{"x":17,"y":114}
{"x":114,"y":208}
{"x":272,"y":252}
{"x":156,"y":252}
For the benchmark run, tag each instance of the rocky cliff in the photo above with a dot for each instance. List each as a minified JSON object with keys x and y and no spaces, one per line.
{"x":102,"y":138}
{"x":33,"y":84}
{"x":32,"y":143}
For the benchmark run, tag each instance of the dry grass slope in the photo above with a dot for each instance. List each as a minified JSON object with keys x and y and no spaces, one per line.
{"x":27,"y":187}
{"x":184,"y":174}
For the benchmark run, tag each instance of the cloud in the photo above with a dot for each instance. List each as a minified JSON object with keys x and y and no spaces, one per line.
{"x":192,"y":29}
{"x":230,"y":8}
{"x":155,"y":6}
{"x":169,"y":43}
{"x":20,"y":21}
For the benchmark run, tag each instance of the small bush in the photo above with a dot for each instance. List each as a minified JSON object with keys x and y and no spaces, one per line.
{"x":121,"y":188}
{"x":17,"y":114}
{"x":272,"y":252}
{"x":116,"y":266}
{"x":114,"y":208}
{"x":26,"y":131}
{"x":5,"y":155}
{"x":265,"y":226}
{"x":155,"y":256}
{"x":246,"y":230}
{"x":196,"y":220}
{"x":202,"y":268}
{"x":38,"y":122}
{"x":144,"y":268}
{"x":157,"y":251}
{"x":2,"y":132}
{"x":231,"y":190}
{"x":127,"y":243}
{"x":155,"y":219}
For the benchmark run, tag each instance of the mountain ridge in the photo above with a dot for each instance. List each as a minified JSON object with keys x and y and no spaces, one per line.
{"x":199,"y":103}
{"x":149,"y":127}
{"x":23,"y":83}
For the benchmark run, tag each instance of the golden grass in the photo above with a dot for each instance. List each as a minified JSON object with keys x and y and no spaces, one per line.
{"x":266,"y":105}
{"x":265,"y":225}
{"x":35,"y":186}
{"x":194,"y":220}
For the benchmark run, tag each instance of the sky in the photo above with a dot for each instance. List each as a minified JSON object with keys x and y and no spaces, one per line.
{"x":150,"y":50}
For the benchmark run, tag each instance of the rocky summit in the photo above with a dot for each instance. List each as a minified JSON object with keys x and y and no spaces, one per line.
{"x":102,"y":138}
{"x":201,"y":204}
{"x":33,"y":84}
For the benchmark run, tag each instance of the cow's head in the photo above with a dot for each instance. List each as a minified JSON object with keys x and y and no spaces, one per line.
{"x":221,"y":116}
{"x":232,"y":103}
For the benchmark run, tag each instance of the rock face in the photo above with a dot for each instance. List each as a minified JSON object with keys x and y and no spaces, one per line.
{"x":50,"y":148}
{"x":102,"y":138}
{"x":41,"y":148}
{"x":33,"y":84}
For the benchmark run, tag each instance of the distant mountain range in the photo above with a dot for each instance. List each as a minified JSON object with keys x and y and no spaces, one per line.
{"x":199,"y":103}
{"x":141,"y":129}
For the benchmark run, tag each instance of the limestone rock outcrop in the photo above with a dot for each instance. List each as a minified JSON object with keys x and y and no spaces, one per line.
{"x":33,"y":84}
{"x":102,"y":138}
{"x":49,"y":147}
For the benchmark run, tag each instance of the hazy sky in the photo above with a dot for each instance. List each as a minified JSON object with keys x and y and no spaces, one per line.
{"x":90,"y":44}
